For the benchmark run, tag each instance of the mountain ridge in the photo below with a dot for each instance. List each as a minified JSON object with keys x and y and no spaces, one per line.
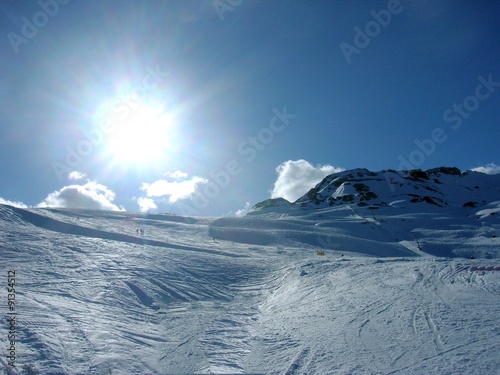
{"x":439,"y":187}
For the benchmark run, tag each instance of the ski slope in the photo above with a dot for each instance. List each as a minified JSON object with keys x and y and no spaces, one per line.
{"x":395,"y":293}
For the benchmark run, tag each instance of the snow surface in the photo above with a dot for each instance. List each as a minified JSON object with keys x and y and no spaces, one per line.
{"x":395,"y":293}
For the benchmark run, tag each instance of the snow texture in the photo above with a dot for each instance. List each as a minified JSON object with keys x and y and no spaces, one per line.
{"x":395,"y":293}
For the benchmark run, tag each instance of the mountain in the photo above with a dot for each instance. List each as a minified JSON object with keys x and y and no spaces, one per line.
{"x":440,"y":212}
{"x":440,"y":187}
{"x":353,"y":278}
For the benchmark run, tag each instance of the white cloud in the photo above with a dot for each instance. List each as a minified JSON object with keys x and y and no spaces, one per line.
{"x":11,"y":203}
{"x":91,"y":196}
{"x":244,"y":210}
{"x":491,"y":168}
{"x":296,"y":178}
{"x":176,"y":174}
{"x":146,"y":204}
{"x":75,"y":175}
{"x":175,"y":190}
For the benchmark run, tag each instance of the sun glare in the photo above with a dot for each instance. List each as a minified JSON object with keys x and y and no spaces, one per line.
{"x":140,"y":136}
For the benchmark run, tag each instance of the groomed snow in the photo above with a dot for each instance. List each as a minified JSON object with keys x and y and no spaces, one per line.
{"x":395,"y":293}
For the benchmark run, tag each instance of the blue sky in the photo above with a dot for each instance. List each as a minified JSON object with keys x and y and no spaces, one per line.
{"x":207,"y":107}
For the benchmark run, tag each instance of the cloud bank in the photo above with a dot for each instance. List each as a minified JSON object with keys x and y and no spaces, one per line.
{"x":297,"y":177}
{"x":146,"y":204}
{"x":243,"y":211}
{"x":175,"y":190}
{"x":92,"y":195}
{"x":176,"y":186}
{"x":491,"y":168}
{"x":11,"y":203}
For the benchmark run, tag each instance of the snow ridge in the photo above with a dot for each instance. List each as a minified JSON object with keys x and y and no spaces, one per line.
{"x":441,"y":187}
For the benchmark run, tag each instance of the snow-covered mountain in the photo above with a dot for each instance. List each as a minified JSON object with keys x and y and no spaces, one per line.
{"x":441,"y":211}
{"x":442,"y":187}
{"x":396,"y":291}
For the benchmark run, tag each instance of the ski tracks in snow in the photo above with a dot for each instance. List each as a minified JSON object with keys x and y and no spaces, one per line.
{"x":385,"y":316}
{"x":227,"y":341}
{"x":299,"y":361}
{"x":423,"y":324}
{"x":86,"y":304}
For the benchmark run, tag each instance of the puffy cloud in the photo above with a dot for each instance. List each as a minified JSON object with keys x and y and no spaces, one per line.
{"x":175,"y":190}
{"x":176,"y":174}
{"x":11,"y":203}
{"x":296,"y":178}
{"x":244,"y":210}
{"x":491,"y":168}
{"x":146,"y":204}
{"x":75,"y":175}
{"x":91,"y":196}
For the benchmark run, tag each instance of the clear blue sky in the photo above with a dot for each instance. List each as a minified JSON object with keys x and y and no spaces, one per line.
{"x":149,"y":100}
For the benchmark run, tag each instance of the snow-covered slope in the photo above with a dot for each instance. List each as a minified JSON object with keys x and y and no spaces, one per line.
{"x":395,"y":291}
{"x":441,"y":187}
{"x":442,"y":212}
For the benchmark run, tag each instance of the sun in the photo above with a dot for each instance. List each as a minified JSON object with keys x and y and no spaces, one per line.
{"x":140,"y":135}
